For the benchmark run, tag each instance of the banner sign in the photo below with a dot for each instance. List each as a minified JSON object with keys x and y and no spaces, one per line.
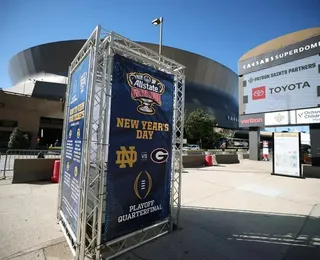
{"x":289,"y":86}
{"x":140,"y":146}
{"x":289,"y":53}
{"x":308,"y":116}
{"x":251,"y":120}
{"x":276,"y":118}
{"x":286,"y":154}
{"x":72,"y":152}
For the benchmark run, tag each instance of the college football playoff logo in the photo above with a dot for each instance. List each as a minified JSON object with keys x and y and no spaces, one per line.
{"x":142,"y":185}
{"x":147,"y":90}
{"x":159,"y":155}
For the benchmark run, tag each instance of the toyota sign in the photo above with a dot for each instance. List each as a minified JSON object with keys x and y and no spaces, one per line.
{"x":289,"y":86}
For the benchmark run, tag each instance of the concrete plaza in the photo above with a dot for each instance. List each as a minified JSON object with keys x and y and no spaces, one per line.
{"x":235,"y":212}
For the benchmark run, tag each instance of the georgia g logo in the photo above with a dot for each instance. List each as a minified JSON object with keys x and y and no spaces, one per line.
{"x":159,"y":155}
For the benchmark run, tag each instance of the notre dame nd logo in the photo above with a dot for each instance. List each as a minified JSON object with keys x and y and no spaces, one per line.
{"x":147,"y":90}
{"x":126,"y":157}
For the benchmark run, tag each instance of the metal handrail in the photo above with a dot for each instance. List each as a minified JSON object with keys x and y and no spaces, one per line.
{"x":13,"y":154}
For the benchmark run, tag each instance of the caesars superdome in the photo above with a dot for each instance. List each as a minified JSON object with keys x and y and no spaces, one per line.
{"x":41,"y":71}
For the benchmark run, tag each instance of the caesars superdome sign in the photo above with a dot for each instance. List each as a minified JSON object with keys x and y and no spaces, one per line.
{"x":289,"y":53}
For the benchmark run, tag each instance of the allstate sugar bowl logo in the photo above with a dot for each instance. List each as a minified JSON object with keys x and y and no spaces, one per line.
{"x":147,"y":90}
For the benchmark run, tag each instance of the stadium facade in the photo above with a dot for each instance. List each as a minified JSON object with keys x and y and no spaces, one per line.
{"x":35,"y":103}
{"x":279,"y":85}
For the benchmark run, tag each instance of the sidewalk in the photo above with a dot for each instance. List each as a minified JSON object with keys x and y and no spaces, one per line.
{"x":28,"y":219}
{"x":228,"y":212}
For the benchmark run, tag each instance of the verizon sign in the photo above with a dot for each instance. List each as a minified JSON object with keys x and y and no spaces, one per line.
{"x":251,"y":120}
{"x":308,"y":116}
{"x":289,"y":86}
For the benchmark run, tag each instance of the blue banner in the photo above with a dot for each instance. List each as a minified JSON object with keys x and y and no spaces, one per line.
{"x":72,"y":153}
{"x":139,"y":157}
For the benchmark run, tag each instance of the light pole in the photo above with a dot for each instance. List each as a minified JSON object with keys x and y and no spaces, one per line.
{"x":156,"y":22}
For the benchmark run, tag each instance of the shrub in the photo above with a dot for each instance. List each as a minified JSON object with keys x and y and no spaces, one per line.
{"x":18,"y":140}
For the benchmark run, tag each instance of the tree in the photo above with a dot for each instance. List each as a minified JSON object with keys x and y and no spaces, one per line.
{"x":199,"y":127}
{"x":18,"y":140}
{"x":227,"y":133}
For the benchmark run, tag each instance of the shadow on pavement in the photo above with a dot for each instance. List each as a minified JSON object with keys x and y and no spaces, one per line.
{"x":225,"y":234}
{"x":38,"y":183}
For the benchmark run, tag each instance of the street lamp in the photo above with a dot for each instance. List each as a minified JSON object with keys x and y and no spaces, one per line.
{"x":156,"y":22}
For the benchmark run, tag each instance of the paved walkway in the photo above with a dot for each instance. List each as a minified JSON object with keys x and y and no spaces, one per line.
{"x":229,"y":212}
{"x":27,"y":218}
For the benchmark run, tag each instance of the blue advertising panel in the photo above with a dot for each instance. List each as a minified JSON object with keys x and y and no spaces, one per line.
{"x":139,"y":157}
{"x":71,"y":177}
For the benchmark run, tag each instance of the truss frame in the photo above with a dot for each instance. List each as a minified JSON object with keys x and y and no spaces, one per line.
{"x":89,"y":48}
{"x":105,"y":45}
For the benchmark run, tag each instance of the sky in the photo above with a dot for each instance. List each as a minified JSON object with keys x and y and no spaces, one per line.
{"x":222,"y":30}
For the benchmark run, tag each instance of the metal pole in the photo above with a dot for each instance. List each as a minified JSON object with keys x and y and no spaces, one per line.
{"x":160,"y":38}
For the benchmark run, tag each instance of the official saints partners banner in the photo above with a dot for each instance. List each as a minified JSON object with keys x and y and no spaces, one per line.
{"x":139,"y":157}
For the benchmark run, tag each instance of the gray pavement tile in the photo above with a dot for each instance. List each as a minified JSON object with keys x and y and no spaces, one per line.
{"x":190,"y":243}
{"x":228,"y":218}
{"x":59,"y":251}
{"x":35,"y":255}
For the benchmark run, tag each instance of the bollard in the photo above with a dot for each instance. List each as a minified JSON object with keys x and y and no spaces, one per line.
{"x":208,"y":159}
{"x":56,"y":172}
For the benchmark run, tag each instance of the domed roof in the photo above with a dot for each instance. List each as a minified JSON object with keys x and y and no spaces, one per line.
{"x":281,"y":42}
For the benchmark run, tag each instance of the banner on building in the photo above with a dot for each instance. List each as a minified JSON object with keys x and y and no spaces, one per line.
{"x":276,"y":118}
{"x":72,"y":153}
{"x":296,"y":51}
{"x":293,"y":85}
{"x":256,"y":120}
{"x":308,"y":116}
{"x":140,"y":146}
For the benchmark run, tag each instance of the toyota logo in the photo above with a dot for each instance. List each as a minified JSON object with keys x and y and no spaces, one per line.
{"x":159,"y":155}
{"x":258,"y":93}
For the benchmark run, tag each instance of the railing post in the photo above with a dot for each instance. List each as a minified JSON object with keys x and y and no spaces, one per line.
{"x":5,"y":164}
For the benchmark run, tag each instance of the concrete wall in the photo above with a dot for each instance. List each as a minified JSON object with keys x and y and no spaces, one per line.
{"x":32,"y":170}
{"x":227,"y":158}
{"x":198,"y":160}
{"x":311,"y":171}
{"x":27,"y":111}
{"x":190,"y":161}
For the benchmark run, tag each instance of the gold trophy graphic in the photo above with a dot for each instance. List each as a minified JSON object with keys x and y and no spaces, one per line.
{"x":146,"y":106}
